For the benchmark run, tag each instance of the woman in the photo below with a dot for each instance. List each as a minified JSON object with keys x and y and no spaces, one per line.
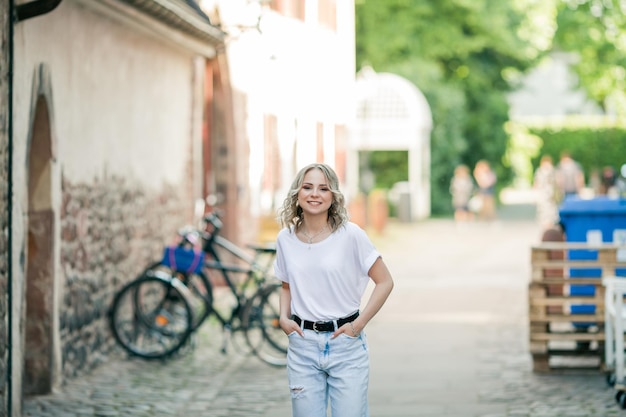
{"x":486,"y":181}
{"x":325,"y":263}
{"x":544,"y":183}
{"x":462,"y":188}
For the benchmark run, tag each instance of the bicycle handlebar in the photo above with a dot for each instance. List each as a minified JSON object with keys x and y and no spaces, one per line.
{"x":190,"y":235}
{"x":214,"y":219}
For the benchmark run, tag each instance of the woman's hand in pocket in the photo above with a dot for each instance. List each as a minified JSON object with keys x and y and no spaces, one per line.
{"x":289,"y":326}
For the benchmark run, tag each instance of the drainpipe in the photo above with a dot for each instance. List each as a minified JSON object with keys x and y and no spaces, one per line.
{"x":35,"y":8}
{"x":9,"y":199}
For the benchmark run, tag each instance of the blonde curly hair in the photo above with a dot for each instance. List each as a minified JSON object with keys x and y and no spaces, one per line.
{"x":291,"y":213}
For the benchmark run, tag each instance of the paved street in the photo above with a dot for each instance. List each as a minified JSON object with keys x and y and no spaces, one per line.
{"x":452,"y":341}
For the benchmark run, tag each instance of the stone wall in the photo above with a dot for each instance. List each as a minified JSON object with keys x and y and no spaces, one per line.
{"x":110,"y":230}
{"x":4,"y":161}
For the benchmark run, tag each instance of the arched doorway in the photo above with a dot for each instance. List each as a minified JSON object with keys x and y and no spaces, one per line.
{"x":392,"y":114}
{"x":39,"y":326}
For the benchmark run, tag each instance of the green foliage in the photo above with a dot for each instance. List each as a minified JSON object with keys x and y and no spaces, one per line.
{"x":456,"y":52}
{"x":592,"y":147}
{"x":595,"y":31}
{"x":522,"y":148}
{"x":465,"y":55}
{"x":390,"y":167}
{"x":485,"y":134}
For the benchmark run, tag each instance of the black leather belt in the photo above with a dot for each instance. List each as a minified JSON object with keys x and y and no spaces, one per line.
{"x":324,"y":326}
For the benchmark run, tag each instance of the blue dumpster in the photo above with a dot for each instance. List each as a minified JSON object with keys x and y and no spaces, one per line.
{"x":580,"y":218}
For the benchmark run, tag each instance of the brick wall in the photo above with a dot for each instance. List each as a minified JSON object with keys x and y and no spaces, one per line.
{"x":110,"y":230}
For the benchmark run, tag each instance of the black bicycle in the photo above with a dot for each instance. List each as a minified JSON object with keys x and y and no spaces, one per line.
{"x":155,"y":315}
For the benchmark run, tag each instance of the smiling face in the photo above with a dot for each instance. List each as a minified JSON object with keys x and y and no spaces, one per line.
{"x":315,"y":196}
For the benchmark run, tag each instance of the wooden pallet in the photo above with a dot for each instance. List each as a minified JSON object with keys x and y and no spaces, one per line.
{"x":560,"y":338}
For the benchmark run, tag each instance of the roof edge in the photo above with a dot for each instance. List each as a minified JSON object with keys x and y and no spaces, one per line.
{"x":186,"y":19}
{"x":175,"y":26}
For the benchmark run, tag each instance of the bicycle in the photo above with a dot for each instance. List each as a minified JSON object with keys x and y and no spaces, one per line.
{"x":155,"y":315}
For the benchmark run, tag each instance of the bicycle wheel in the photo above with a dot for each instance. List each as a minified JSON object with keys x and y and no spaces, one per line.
{"x":261,"y":325}
{"x":150,"y":317}
{"x":199,"y":294}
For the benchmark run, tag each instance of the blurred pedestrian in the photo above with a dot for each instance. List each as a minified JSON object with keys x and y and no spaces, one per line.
{"x":607,"y":180}
{"x":462,"y":189}
{"x":595,"y":181}
{"x":544,"y":183}
{"x":620,"y":182}
{"x":486,"y":180}
{"x":325,"y":263}
{"x":570,"y":177}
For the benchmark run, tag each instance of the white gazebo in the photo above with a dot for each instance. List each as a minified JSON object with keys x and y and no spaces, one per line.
{"x":393,"y":114}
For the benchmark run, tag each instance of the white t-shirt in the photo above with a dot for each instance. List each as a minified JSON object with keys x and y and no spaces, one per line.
{"x":327,"y":279}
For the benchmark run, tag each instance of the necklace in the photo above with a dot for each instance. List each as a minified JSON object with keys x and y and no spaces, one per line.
{"x":310,"y":238}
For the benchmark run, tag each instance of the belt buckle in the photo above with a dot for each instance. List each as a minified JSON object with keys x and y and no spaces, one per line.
{"x":315,"y":326}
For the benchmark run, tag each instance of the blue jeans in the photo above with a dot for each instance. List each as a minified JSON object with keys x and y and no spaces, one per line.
{"x":320,"y":368}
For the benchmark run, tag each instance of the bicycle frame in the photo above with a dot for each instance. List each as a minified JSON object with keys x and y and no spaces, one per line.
{"x":255,"y":271}
{"x":252,"y":264}
{"x":194,"y":290}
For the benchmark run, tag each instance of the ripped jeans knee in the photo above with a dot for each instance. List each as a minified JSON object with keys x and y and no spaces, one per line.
{"x":296,"y":391}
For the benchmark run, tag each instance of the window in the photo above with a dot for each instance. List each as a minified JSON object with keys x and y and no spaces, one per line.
{"x":289,"y":8}
{"x":327,"y":13}
{"x":271,"y":172}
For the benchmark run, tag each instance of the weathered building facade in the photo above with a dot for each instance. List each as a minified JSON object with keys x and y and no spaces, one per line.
{"x":292,"y":72}
{"x":112,"y":121}
{"x":124,"y":112}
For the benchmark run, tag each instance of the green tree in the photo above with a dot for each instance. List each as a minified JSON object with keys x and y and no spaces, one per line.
{"x":595,"y":30}
{"x":460,"y":53}
{"x":390,"y":167}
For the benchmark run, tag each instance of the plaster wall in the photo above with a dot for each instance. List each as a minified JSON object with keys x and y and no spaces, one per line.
{"x":107,"y":80}
{"x":302,"y":73}
{"x":124,"y":126}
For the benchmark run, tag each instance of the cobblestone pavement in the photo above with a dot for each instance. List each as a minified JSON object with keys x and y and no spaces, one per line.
{"x":452,"y":341}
